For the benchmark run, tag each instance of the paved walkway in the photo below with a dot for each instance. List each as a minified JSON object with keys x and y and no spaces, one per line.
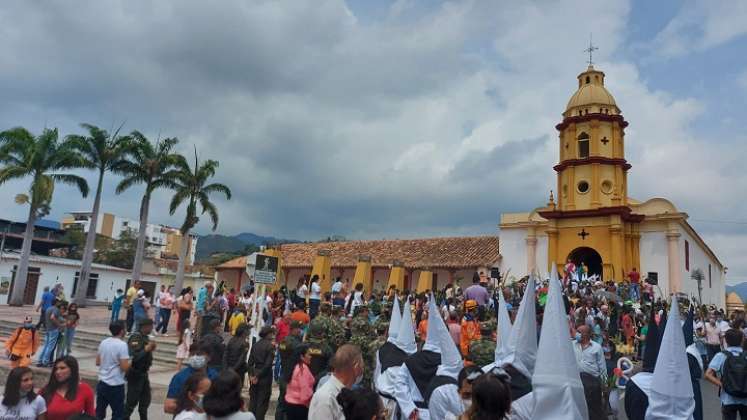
{"x":96,"y":320}
{"x":93,"y":319}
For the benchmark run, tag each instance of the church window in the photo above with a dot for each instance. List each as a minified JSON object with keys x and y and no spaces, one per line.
{"x":607,"y":186}
{"x":583,"y":187}
{"x":588,"y":80}
{"x":583,"y":146}
{"x":687,"y":256}
{"x":709,"y":276}
{"x":565,"y":191}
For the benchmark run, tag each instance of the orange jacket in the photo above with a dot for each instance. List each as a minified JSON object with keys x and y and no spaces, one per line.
{"x":470,"y":332}
{"x":23,"y":342}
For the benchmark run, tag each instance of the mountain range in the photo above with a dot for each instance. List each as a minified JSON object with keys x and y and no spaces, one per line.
{"x":740,"y":288}
{"x":208,"y":245}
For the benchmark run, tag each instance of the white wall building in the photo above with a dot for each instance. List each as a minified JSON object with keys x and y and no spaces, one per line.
{"x":45,"y":271}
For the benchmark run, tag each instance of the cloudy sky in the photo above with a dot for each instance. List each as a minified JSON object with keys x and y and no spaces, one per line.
{"x":374,"y":119}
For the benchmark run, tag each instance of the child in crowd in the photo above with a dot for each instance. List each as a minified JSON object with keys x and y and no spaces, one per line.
{"x":117,"y":304}
{"x":185,"y":341}
{"x":22,"y":344}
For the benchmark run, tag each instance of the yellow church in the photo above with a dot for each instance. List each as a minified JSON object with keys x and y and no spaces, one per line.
{"x":590,"y":218}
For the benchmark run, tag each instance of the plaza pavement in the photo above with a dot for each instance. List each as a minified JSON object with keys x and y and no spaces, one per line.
{"x":92,"y":328}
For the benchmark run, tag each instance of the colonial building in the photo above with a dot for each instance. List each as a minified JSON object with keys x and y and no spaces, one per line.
{"x":162,"y":241}
{"x":435,"y":261}
{"x":592,"y":219}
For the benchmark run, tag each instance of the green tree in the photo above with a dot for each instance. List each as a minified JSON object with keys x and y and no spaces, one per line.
{"x":121,"y":252}
{"x":150,"y":164}
{"x":102,"y":152}
{"x":192,"y":187}
{"x":44,"y":159}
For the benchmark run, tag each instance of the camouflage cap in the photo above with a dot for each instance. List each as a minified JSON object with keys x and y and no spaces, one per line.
{"x":296,"y":324}
{"x":488,"y":325}
{"x":382,"y":327}
{"x":316,"y":329}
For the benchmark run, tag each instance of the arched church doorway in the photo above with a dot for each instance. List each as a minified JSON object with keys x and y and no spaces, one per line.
{"x":588,"y":256}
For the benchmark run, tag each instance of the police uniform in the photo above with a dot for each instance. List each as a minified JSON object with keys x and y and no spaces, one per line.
{"x":138,"y":384}
{"x":321,"y":351}
{"x":287,"y":349}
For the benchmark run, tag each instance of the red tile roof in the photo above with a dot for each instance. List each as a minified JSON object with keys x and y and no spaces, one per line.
{"x":457,"y":252}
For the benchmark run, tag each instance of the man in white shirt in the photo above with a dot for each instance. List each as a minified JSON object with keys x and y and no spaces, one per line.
{"x":593,"y":369}
{"x":347,"y":367}
{"x":113,"y":360}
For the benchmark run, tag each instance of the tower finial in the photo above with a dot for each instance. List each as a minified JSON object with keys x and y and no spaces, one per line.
{"x":590,"y":50}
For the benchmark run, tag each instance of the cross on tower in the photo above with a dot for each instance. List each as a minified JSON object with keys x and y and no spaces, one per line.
{"x":605,"y":140}
{"x":590,"y":50}
{"x":583,"y":234}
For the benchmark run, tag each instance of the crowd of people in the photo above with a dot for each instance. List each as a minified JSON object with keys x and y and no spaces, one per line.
{"x":554,"y":348}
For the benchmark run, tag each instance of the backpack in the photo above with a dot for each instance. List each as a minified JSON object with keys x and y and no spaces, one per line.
{"x":734,"y":374}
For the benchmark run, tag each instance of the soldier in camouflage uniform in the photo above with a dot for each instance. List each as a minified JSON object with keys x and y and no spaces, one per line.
{"x":482,"y":351}
{"x":331,"y":331}
{"x":319,"y":347}
{"x":362,"y":335}
{"x":381,"y":336}
{"x":384,"y":316}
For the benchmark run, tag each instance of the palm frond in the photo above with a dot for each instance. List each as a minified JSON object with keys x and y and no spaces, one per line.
{"x":217,"y":188}
{"x":73,"y":180}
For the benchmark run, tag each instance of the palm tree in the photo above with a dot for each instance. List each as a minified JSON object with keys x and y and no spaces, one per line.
{"x":104,"y":153}
{"x":42,"y":158}
{"x":192,"y":187}
{"x":149,"y":164}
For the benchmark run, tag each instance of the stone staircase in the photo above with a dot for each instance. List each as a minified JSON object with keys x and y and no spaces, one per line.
{"x":87,"y":341}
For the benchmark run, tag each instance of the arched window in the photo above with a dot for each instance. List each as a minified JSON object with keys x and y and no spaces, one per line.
{"x":583,"y":146}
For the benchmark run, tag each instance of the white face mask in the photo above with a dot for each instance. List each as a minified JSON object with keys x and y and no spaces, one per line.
{"x":197,"y":362}
{"x":466,"y":403}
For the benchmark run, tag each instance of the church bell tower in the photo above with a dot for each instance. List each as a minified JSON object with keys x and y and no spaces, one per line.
{"x":591,"y":221}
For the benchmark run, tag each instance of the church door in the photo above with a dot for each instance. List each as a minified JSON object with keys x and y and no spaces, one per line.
{"x":588,"y":256}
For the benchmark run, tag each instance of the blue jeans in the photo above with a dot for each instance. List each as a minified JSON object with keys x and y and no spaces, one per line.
{"x":50,"y":341}
{"x":113,"y":396}
{"x":115,"y":312}
{"x":157,"y":318}
{"x":634,"y":295}
{"x":69,"y":335}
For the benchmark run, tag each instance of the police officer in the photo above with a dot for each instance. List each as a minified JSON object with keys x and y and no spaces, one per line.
{"x":319,"y":348}
{"x":141,"y":358}
{"x":287,"y":348}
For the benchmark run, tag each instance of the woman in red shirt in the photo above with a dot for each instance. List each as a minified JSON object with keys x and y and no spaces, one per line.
{"x":64,"y":393}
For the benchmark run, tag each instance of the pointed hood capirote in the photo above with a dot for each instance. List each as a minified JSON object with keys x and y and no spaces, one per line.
{"x":653,"y":340}
{"x":406,"y":334}
{"x":521,"y":350}
{"x":394,"y":322}
{"x":671,"y":394}
{"x":503,"y":332}
{"x":451,"y":359}
{"x":688,"y":328}
{"x":435,"y":324}
{"x":557,"y":389}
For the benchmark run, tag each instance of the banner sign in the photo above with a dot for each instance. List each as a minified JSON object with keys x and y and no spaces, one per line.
{"x":266,"y":269}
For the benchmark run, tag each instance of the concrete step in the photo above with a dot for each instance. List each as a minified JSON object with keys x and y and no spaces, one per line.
{"x":165,"y":353}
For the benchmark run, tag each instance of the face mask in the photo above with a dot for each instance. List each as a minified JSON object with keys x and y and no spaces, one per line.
{"x":197,"y":362}
{"x":198,"y":403}
{"x":28,"y":325}
{"x":578,"y":337}
{"x":466,"y":403}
